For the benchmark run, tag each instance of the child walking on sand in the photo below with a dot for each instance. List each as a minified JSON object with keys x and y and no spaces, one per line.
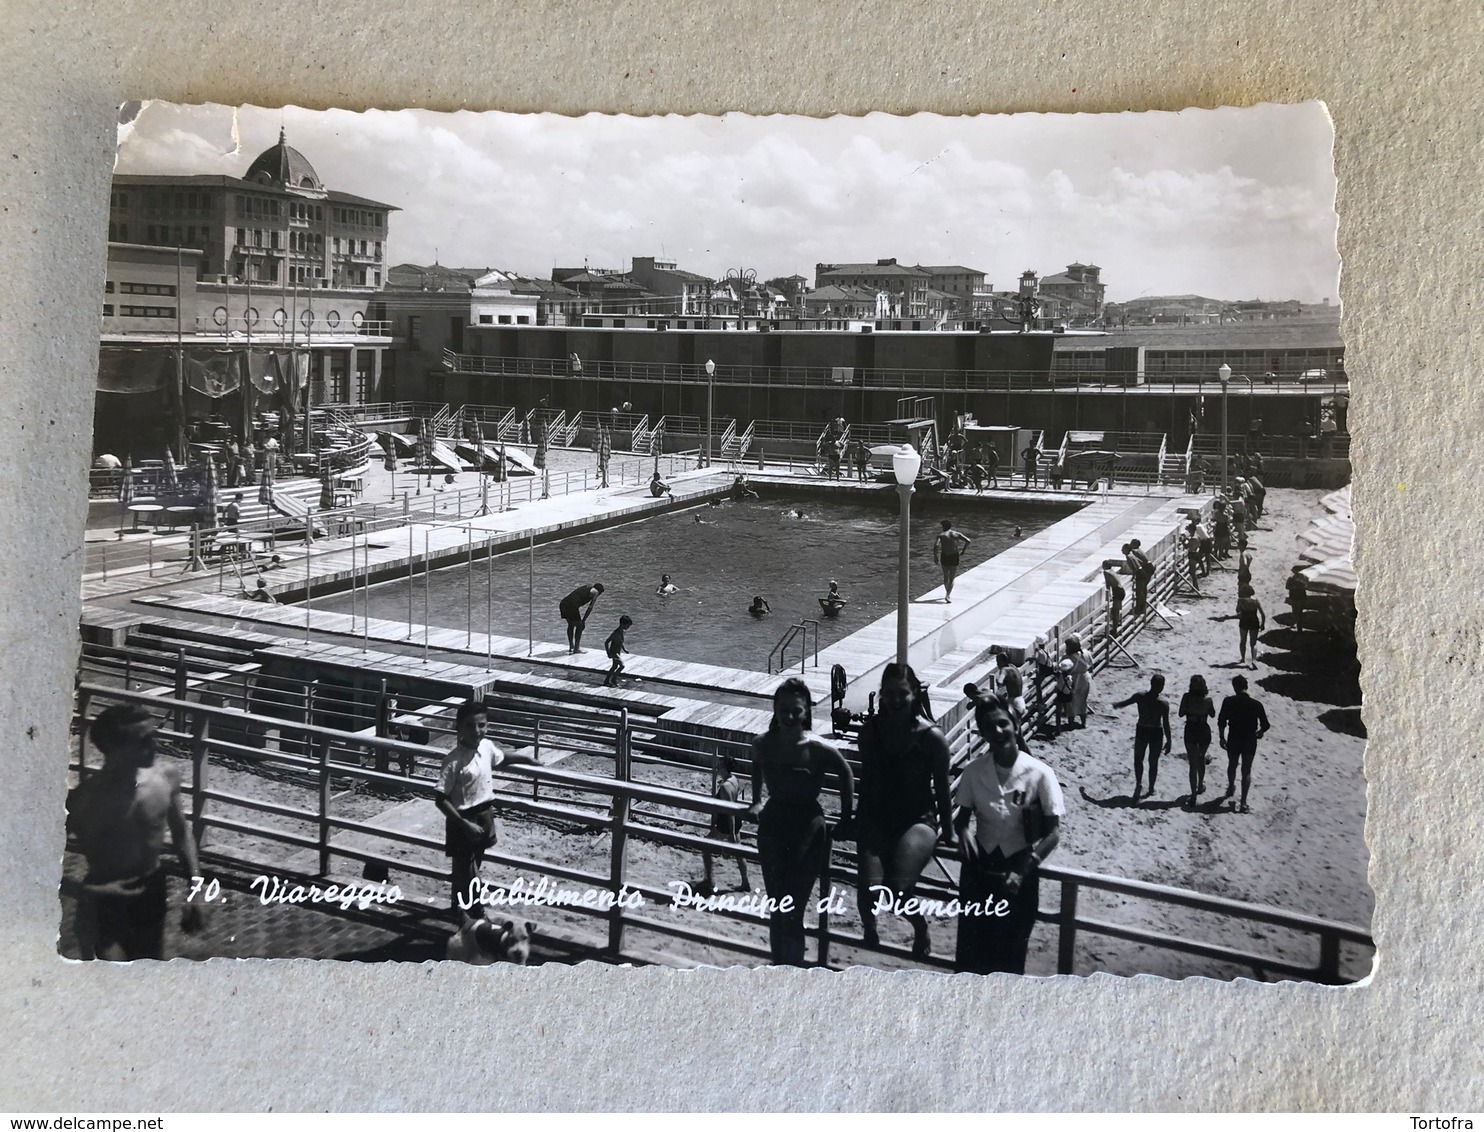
{"x":614,"y":646}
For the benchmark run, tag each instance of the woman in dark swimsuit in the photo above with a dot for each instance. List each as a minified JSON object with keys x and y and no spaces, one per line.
{"x":904,"y":800}
{"x":789,"y":763}
{"x":1197,"y":708}
{"x":1250,"y":621}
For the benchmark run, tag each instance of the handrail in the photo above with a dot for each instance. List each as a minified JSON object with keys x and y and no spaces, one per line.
{"x":1190,"y":379}
{"x":745,"y":443}
{"x":783,"y":642}
{"x":202,"y":727}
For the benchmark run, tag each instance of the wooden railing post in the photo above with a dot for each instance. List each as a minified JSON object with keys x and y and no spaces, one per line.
{"x":324,"y":806}
{"x":200,"y":733}
{"x":620,"y":832}
{"x":1329,"y":958}
{"x":536,"y":754}
{"x":180,"y":687}
{"x":1066,"y":943}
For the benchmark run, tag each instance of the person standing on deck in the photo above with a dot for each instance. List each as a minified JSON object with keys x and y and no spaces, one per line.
{"x":1030,"y":459}
{"x":947,"y":548}
{"x":574,"y":614}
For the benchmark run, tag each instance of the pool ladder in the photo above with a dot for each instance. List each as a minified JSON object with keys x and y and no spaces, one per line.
{"x":799,"y":632}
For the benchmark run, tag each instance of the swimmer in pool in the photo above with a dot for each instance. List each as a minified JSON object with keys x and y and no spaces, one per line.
{"x":834,"y":601}
{"x":667,"y":587}
{"x":700,"y":520}
{"x":794,"y":513}
{"x":759,"y":606}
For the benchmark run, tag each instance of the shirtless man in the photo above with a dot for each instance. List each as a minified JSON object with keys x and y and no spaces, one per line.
{"x":571,"y":609}
{"x":1153,"y":726}
{"x":946,"y":550}
{"x":119,"y":816}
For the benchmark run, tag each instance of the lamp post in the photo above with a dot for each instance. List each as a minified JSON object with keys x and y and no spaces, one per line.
{"x":710,"y":404}
{"x":905,"y":463}
{"x":1224,"y":375}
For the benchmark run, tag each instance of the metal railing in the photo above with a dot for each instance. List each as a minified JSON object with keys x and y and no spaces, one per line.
{"x":267,"y":331}
{"x":923,"y":380}
{"x":384,"y":410}
{"x":319,"y":759}
{"x":796,"y":632}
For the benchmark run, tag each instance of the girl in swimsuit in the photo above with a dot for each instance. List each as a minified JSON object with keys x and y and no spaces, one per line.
{"x":1197,"y":710}
{"x":789,"y":763}
{"x":904,"y":799}
{"x":1250,"y":621}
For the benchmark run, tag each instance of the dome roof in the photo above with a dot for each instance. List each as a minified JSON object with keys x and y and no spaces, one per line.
{"x":284,"y":165}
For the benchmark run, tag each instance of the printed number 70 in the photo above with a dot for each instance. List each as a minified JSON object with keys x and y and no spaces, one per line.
{"x":212,"y":889}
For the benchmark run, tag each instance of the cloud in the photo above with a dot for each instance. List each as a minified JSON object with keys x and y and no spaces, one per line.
{"x":1204,"y":201}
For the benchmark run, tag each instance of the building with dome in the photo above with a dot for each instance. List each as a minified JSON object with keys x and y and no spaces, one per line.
{"x":275,"y":224}
{"x":215,"y":283}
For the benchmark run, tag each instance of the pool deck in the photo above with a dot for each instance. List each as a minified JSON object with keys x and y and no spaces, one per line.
{"x":1035,"y":588}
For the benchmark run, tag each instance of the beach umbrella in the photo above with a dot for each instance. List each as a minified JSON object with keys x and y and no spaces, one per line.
{"x":126,"y":484}
{"x":170,"y":479}
{"x":541,"y":442}
{"x":1335,"y":575}
{"x":1324,"y":551}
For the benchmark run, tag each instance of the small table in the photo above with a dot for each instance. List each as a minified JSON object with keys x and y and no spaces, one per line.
{"x":355,"y":484}
{"x":174,"y":516}
{"x":146,"y":512}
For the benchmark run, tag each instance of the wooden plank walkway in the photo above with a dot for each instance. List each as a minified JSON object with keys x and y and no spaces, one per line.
{"x":477,"y":646}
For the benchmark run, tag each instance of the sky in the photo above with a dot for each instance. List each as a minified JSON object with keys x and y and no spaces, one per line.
{"x":1235,"y":203}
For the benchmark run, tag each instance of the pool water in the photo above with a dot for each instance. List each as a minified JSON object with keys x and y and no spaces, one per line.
{"x":738,"y":550}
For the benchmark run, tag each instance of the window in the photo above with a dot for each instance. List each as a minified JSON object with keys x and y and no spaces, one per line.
{"x":415,"y":331}
{"x":144,"y":289}
{"x":378,"y":249}
{"x":147,"y":312}
{"x":107,"y":310}
{"x":486,"y":319}
{"x":504,"y":320}
{"x":523,"y":319}
{"x":108,"y":287}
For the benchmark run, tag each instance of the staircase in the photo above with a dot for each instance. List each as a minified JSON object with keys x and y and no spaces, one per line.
{"x":642,"y":435}
{"x":564,"y":436}
{"x":734,"y":444}
{"x":1173,"y":466}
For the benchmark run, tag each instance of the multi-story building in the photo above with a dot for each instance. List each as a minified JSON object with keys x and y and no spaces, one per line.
{"x":226,"y":295}
{"x":1078,"y":292}
{"x":275,"y":224}
{"x":965,"y":287}
{"x":687,"y":291}
{"x":907,"y":286}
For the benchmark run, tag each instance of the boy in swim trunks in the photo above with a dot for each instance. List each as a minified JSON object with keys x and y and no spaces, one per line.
{"x":614,"y":647}
{"x":726,"y":827}
{"x":119,"y":816}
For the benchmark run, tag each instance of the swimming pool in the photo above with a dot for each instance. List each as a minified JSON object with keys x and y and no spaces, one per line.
{"x":736,"y":551}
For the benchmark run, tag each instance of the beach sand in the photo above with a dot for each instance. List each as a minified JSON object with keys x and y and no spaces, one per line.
{"x":1302,"y":846}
